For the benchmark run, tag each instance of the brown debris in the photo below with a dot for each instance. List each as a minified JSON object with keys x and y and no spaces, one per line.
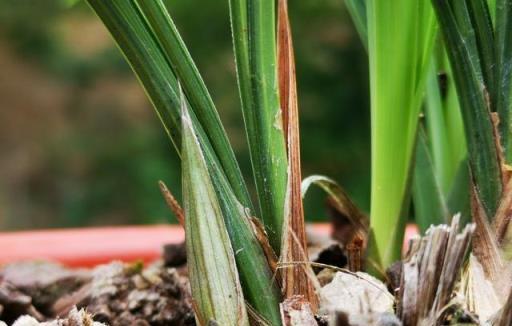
{"x":349,"y":223}
{"x":355,"y":252}
{"x":126,"y":295}
{"x":43,"y":282}
{"x":117,"y":294}
{"x":261,"y":235}
{"x":333,"y":255}
{"x":173,"y":204}
{"x":175,"y":255}
{"x":503,"y":214}
{"x":430,"y":272}
{"x":325,"y":251}
{"x":485,"y":245}
{"x":394,"y":276}
{"x":74,"y":318}
{"x":296,"y":311}
{"x":14,"y":303}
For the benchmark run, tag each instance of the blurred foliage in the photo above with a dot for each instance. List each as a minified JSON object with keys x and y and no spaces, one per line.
{"x":91,"y":149}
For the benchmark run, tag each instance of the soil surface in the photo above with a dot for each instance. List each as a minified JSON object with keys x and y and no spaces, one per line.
{"x":116,"y":294}
{"x":121,"y":294}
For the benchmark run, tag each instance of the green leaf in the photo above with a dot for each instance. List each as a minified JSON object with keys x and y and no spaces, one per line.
{"x":460,"y":42}
{"x":437,"y":131}
{"x":258,"y":282}
{"x":400,"y":40}
{"x":253,"y":27}
{"x":484,"y":35}
{"x":444,"y":124}
{"x":492,"y":9}
{"x":456,"y":138}
{"x":176,"y":53}
{"x":340,"y":200}
{"x":143,"y":52}
{"x":211,"y":265}
{"x":459,"y":198}
{"x":357,"y":9}
{"x":503,"y":45}
{"x":141,"y":49}
{"x":429,"y":202}
{"x":445,"y":133}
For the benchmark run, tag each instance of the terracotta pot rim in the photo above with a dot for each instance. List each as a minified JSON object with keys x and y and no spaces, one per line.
{"x":87,"y":247}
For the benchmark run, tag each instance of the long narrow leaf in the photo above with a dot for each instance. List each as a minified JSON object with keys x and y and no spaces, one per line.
{"x":138,"y":44}
{"x":503,"y":45}
{"x":142,"y":53}
{"x":146,"y":58}
{"x":258,"y":282}
{"x":444,"y":124}
{"x":296,"y":278}
{"x":340,"y":200}
{"x":211,"y":265}
{"x":357,"y":9}
{"x":429,"y":202}
{"x":445,"y":132}
{"x":400,"y":39}
{"x":459,"y":197}
{"x":254,"y":38}
{"x":437,"y":131}
{"x":484,"y":35}
{"x":454,"y":123}
{"x":199,"y":98}
{"x":482,"y":149}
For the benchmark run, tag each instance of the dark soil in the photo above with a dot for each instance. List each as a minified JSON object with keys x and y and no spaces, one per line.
{"x":116,"y":294}
{"x":120,"y":294}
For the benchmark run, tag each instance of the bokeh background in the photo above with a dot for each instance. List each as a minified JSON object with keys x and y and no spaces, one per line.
{"x":80,"y":144}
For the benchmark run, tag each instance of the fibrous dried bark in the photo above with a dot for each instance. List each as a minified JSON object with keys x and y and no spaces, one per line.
{"x":430,"y":272}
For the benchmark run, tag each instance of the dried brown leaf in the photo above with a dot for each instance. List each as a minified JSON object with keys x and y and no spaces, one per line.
{"x":172,"y":203}
{"x":485,"y":244}
{"x":355,"y":250}
{"x":295,"y":279}
{"x":505,"y":174}
{"x":503,"y":214}
{"x":347,"y":219}
{"x":259,"y":231}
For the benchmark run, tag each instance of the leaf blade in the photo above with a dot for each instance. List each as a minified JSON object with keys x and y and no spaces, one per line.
{"x":212,"y":269}
{"x":399,"y":53}
{"x":253,"y":28}
{"x":429,"y":202}
{"x":176,"y":52}
{"x":483,"y":156}
{"x":136,"y":42}
{"x":296,"y":278}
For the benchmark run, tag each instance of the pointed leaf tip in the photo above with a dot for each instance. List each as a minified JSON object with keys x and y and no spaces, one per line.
{"x":213,"y":274}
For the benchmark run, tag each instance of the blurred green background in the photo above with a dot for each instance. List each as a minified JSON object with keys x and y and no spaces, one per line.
{"x":80,"y":144}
